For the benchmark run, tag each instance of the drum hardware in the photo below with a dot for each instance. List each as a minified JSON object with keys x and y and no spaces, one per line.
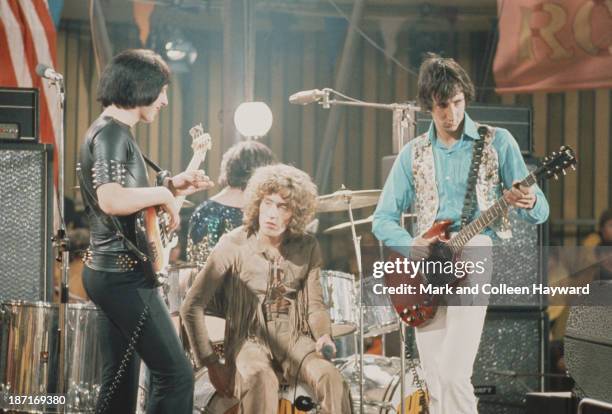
{"x":347,"y":224}
{"x":382,"y":378}
{"x":343,"y":198}
{"x":346,"y":200}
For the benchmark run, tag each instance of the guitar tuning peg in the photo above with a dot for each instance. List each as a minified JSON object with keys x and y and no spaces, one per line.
{"x":564,"y":172}
{"x":573,"y":167}
{"x":556,"y":176}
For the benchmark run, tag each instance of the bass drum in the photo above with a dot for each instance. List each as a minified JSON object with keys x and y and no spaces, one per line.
{"x":381,"y":390}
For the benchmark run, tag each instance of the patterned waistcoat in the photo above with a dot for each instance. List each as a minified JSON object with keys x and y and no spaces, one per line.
{"x":427,"y":201}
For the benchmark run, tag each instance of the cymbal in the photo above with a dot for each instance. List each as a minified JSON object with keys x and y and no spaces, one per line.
{"x":339,"y":201}
{"x":347,"y":225}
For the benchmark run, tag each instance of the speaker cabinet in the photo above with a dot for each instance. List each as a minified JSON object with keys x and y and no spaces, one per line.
{"x":588,"y":344}
{"x":26,"y":221}
{"x":511,"y":360}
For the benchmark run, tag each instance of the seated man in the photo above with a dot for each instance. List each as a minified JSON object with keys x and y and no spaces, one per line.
{"x":277,"y":325}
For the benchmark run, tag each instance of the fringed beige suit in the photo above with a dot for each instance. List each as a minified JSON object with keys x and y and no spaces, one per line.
{"x":274,"y":313}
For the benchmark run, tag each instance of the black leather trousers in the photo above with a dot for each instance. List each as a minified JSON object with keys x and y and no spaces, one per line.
{"x":122,"y":297}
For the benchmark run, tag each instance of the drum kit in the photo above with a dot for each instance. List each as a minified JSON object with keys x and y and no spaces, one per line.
{"x":377,"y":384}
{"x":29,"y":340}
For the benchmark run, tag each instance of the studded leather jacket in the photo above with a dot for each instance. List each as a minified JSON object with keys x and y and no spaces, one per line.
{"x":110,"y":154}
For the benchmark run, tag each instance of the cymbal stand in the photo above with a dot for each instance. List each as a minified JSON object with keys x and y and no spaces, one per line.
{"x":357,"y":247}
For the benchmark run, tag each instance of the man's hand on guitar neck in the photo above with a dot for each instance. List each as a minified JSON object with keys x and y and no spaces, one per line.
{"x":189,"y":182}
{"x":520,"y":196}
{"x":421,"y":248}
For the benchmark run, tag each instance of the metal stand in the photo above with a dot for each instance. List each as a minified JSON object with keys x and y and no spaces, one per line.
{"x":404,"y":125}
{"x":61,"y":242}
{"x":357,"y":247}
{"x":403,"y":121}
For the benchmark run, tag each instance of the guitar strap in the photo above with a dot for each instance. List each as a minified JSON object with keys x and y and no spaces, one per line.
{"x":143,"y":257}
{"x":470,"y":192}
{"x":113,"y":220}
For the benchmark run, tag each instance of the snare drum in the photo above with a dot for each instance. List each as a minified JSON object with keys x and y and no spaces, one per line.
{"x":381,"y":387}
{"x":339,"y":296}
{"x":30,"y":345}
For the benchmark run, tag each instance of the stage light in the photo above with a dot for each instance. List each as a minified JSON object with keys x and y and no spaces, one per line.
{"x":181,"y":49}
{"x":179,"y":52}
{"x":253,"y":119}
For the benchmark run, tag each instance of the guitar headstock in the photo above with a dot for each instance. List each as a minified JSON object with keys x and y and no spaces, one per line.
{"x":201,"y":141}
{"x":557,"y":163}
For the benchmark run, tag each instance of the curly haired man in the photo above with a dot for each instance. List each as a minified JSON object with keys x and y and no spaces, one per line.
{"x":277,"y":324}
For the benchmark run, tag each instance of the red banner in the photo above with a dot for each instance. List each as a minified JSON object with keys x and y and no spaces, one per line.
{"x":552,"y":46}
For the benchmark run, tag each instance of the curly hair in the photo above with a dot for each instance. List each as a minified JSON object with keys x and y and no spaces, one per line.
{"x":134,"y":77}
{"x":294,"y":185}
{"x":239,"y":162}
{"x":441,"y":79}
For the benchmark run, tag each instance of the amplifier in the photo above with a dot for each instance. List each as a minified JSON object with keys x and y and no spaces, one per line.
{"x":19,"y":114}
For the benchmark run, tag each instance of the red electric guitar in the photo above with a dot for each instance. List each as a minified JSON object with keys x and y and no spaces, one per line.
{"x":418,"y":308}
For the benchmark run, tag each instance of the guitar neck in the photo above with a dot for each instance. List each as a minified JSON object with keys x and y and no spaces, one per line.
{"x":498,"y":209}
{"x":193,"y":165}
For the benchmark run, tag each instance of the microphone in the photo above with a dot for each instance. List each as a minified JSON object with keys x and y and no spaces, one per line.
{"x":48,"y":72}
{"x":327,"y":351}
{"x":306,"y":97}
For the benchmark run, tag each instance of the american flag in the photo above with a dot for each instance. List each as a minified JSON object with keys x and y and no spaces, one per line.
{"x":27,"y":38}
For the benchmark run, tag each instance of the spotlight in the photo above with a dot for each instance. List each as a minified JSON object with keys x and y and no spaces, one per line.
{"x":179,"y":52}
{"x":253,"y":119}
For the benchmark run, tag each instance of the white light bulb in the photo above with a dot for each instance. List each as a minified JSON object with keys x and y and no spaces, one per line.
{"x":253,"y":119}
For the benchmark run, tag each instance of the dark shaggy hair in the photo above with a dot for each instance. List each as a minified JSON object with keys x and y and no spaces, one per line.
{"x":441,"y":79}
{"x":133,"y":78}
{"x":239,"y":162}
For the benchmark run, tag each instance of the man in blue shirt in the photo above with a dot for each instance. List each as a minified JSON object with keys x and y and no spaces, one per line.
{"x":430,"y":174}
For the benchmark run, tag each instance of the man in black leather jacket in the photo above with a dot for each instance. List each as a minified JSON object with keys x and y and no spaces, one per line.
{"x":114,"y":185}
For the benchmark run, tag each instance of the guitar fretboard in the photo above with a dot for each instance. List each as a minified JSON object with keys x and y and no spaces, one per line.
{"x":498,"y":209}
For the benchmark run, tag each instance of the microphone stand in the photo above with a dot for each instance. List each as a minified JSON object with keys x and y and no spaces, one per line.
{"x":403,"y":119}
{"x":403,"y":114}
{"x":61,"y":242}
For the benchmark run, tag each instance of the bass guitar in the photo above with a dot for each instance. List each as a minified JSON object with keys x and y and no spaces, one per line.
{"x":158,"y":240}
{"x":418,"y":307}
